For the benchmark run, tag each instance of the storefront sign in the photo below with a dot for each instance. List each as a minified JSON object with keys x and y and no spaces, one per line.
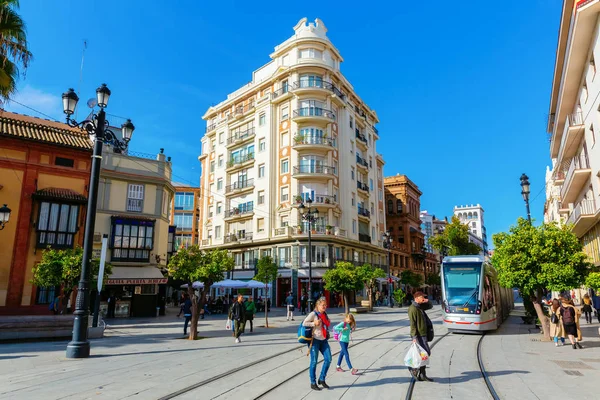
{"x":151,"y":281}
{"x":313,"y":279}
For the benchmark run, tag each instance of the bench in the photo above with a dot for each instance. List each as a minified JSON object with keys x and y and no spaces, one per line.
{"x":359,"y":310}
{"x":43,"y":327}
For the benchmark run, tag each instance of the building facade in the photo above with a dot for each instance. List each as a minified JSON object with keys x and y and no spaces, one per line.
{"x":185,"y":215}
{"x":573,"y":185}
{"x":135,"y":195}
{"x":427,"y":228}
{"x":472,"y":216}
{"x":44,"y":179}
{"x":297,"y":131}
{"x":409,"y":251}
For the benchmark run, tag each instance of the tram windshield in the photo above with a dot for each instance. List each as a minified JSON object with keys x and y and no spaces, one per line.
{"x":461,"y":282}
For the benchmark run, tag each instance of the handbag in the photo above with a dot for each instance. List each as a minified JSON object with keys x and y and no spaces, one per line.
{"x":554,"y":319}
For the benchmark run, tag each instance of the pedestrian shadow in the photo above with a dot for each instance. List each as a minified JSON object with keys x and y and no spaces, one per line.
{"x":475,"y":375}
{"x":13,"y":357}
{"x":400,"y":380}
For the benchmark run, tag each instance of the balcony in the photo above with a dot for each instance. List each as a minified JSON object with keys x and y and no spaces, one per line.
{"x":361,"y":139}
{"x":135,"y":205}
{"x":240,"y":186}
{"x":362,"y":188}
{"x":301,"y":230}
{"x":321,"y":200}
{"x":285,"y":231}
{"x":313,"y":142}
{"x":240,"y":112}
{"x":362,"y":163}
{"x":364,"y":238}
{"x":312,"y":86}
{"x":583,"y":217}
{"x":314,"y":171}
{"x":241,"y":137}
{"x":363,"y":213}
{"x":576,"y":178}
{"x":206,"y":242}
{"x":240,"y":237}
{"x":572,"y":135}
{"x":239,"y":213}
{"x":281,"y":94}
{"x":313,"y":114}
{"x":211,"y":128}
{"x":240,"y":162}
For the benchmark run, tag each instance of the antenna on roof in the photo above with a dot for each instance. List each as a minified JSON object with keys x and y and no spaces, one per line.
{"x":81,"y":70}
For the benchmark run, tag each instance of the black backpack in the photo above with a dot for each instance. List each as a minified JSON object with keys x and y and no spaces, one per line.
{"x":568,"y":315}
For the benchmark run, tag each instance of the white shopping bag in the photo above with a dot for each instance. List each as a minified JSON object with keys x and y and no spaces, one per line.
{"x":228,"y":325}
{"x":416,"y":357}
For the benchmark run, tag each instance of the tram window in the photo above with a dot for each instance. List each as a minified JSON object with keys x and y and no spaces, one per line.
{"x":462,"y":284}
{"x":488,"y":293}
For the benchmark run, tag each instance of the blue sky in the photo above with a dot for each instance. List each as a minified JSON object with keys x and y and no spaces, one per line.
{"x":461,"y":88}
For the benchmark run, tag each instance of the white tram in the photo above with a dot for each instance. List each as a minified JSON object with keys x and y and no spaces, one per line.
{"x":472,"y":298}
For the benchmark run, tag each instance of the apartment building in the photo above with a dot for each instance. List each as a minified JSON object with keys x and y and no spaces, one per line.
{"x":185,"y":215}
{"x":472,"y":216}
{"x":573,"y":186}
{"x":296,"y":132}
{"x":409,"y":251}
{"x":427,"y":228}
{"x":134,"y":198}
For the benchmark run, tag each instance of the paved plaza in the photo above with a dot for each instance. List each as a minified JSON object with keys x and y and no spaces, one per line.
{"x":149,"y":359}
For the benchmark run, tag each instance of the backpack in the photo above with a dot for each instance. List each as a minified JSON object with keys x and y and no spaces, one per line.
{"x":568,"y":315}
{"x":304,"y":334}
{"x":337,"y":335}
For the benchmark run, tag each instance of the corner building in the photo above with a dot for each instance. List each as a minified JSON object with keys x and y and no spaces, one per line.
{"x":297,"y":131}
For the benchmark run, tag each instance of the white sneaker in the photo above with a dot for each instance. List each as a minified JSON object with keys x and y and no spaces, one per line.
{"x":556,"y":344}
{"x":237,"y":340}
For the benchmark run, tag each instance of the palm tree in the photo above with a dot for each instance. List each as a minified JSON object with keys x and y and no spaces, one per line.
{"x":13,"y":47}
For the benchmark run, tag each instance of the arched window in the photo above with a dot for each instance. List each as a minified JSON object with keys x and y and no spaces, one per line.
{"x":390,"y":207}
{"x":470,"y":216}
{"x":399,"y":206}
{"x":475,"y":215}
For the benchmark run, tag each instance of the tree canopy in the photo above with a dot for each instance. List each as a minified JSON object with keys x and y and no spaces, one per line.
{"x":593,"y":281}
{"x":534,"y":258}
{"x":266,"y":272}
{"x":343,"y":279}
{"x":454,"y":240}
{"x":411,"y":279}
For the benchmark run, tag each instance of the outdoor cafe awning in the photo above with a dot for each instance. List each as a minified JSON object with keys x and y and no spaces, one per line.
{"x":136,"y":276}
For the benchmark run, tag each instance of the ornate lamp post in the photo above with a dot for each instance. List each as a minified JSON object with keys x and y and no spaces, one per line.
{"x":4,"y":216}
{"x":387,"y":243}
{"x":98,"y":129}
{"x":311,"y":216}
{"x":525,"y":192}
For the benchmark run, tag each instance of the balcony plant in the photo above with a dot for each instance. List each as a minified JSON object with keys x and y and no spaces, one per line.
{"x":327,"y":200}
{"x":299,"y":229}
{"x":329,"y":229}
{"x":298,"y":199}
{"x":298,"y":139}
{"x":230,"y":163}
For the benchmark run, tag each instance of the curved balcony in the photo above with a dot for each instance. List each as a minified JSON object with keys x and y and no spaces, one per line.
{"x":312,"y":86}
{"x":320,"y":200}
{"x":313,"y":114}
{"x":576,"y":179}
{"x":313,"y":142}
{"x":314,"y":171}
{"x":363,"y":213}
{"x":241,"y":186}
{"x":362,"y":163}
{"x":361,"y":139}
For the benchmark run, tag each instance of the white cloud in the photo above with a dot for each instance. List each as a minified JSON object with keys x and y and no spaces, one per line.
{"x":38,"y":100}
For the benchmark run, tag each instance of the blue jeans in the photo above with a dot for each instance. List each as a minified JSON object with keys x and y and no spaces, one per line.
{"x":188,"y":318}
{"x":344,"y":352}
{"x":323,"y":347}
{"x":562,"y":339}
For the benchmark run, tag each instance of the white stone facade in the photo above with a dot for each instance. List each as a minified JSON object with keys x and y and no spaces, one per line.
{"x":472,"y":215}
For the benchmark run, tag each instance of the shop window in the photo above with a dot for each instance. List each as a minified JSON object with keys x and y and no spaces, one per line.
{"x":57,"y":225}
{"x":132,"y":239}
{"x":64,"y":162}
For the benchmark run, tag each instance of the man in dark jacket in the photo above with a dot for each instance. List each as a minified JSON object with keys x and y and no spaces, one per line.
{"x":186,"y":309}
{"x":238,"y":316}
{"x":421,"y":329}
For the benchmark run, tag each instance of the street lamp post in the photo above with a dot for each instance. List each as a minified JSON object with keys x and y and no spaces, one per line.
{"x":98,"y":130}
{"x":309,"y":215}
{"x":4,"y":216}
{"x":525,"y":192}
{"x":387,"y":243}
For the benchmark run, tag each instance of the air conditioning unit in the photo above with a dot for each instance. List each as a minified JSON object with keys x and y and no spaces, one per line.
{"x":97,"y":238}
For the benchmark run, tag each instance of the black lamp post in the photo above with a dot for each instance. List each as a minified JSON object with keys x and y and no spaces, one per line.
{"x":311,"y":216}
{"x":4,"y":216}
{"x":98,"y":129}
{"x":525,"y":192}
{"x":387,"y":243}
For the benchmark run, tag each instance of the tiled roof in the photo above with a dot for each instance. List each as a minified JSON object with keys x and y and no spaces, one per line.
{"x":59,"y":194}
{"x":42,"y":130}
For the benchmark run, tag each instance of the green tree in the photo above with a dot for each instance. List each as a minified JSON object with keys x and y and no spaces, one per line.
{"x":192,"y":264}
{"x":433,"y":280}
{"x":399,"y":296}
{"x":13,"y":47}
{"x":411,"y":279}
{"x":593,"y":281}
{"x":367,"y":276}
{"x":63,"y":268}
{"x":342,"y":279}
{"x":534,"y":258}
{"x":454,"y":240}
{"x":266,"y":272}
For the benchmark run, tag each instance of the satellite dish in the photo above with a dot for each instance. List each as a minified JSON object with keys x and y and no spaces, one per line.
{"x":92,"y":103}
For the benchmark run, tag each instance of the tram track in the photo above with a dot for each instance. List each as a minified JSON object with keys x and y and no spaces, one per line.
{"x":484,"y":374}
{"x":223,"y":375}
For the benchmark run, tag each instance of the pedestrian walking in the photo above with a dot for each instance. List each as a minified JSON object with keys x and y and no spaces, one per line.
{"x":112,"y":305}
{"x":289,"y":301}
{"x":303,"y":303}
{"x":596,"y":301}
{"x":570,"y":319}
{"x":186,"y":309}
{"x":421,"y":330}
{"x":319,"y":322}
{"x":344,"y":330}
{"x":587,"y":308}
{"x":181,"y":301}
{"x":238,"y":316}
{"x":250,"y":311}
{"x":557,"y":330}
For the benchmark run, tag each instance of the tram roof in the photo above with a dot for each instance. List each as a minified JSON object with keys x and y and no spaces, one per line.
{"x":459,"y":259}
